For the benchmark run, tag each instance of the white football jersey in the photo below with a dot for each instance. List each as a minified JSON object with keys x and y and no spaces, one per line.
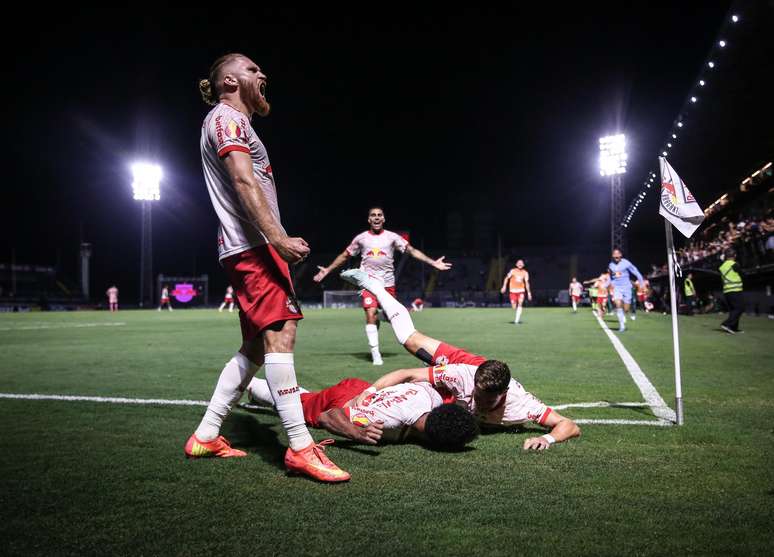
{"x":376,"y":251}
{"x":519,"y":406}
{"x":225,"y":130}
{"x":396,"y":407}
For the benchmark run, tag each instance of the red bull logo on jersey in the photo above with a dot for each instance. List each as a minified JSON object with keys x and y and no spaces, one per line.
{"x":184,"y":292}
{"x":376,"y":252}
{"x":233,"y":131}
{"x":361,"y":420}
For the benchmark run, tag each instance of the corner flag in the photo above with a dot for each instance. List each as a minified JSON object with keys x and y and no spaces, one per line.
{"x":677,"y":204}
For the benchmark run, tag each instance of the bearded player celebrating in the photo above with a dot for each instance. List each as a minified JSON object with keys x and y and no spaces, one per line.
{"x":255,"y":251}
{"x":376,"y":247}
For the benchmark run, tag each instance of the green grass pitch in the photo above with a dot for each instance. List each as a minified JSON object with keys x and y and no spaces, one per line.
{"x":84,"y":478}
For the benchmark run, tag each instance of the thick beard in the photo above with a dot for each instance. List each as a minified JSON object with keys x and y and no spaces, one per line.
{"x":252,"y":98}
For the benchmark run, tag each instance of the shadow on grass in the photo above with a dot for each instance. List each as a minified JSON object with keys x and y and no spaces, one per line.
{"x":246,"y":433}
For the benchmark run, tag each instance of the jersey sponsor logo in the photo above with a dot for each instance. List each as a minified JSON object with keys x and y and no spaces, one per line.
{"x":233,"y":131}
{"x":375,"y":252}
{"x":219,"y":129}
{"x":289,"y":391}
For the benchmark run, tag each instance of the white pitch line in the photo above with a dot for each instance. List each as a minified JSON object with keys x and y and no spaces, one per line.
{"x":658,"y":423}
{"x":173,"y":402}
{"x":601,"y":404}
{"x":649,"y":392}
{"x":112,"y":400}
{"x":62,"y":326}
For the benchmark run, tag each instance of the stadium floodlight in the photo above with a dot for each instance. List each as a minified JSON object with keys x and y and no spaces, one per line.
{"x":147,"y":189}
{"x":612,"y":155}
{"x":612,"y":163}
{"x":147,"y":180}
{"x":694,"y":99}
{"x":679,"y":124}
{"x":722,"y":44}
{"x":734,"y":18}
{"x":711,"y":64}
{"x":702,"y":82}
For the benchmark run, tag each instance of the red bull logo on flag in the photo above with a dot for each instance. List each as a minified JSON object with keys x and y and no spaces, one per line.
{"x":678,"y":206}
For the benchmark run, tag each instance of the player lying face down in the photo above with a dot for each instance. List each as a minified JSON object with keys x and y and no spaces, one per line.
{"x":354,"y":409}
{"x":485,"y":386}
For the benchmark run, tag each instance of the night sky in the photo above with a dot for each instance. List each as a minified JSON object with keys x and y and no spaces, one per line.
{"x":427,"y":113}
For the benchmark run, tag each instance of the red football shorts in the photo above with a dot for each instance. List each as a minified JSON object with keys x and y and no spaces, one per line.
{"x":337,"y":396}
{"x":576,"y":299}
{"x":517,"y":297}
{"x":640,"y":297}
{"x":370,"y":301}
{"x":261,"y":282}
{"x":448,"y":354}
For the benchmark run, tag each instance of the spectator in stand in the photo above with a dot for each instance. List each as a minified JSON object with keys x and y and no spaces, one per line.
{"x":731,"y":276}
{"x":690,"y":293}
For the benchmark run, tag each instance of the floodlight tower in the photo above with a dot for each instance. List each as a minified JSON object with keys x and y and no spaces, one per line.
{"x":612,"y":162}
{"x":146,"y":187}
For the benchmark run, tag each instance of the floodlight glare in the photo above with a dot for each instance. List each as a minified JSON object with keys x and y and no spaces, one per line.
{"x":734,"y":18}
{"x":711,"y":64}
{"x":693,"y":99}
{"x":146,"y":181}
{"x":679,"y":124}
{"x":722,"y":44}
{"x":612,"y":155}
{"x":702,"y":82}
{"x":664,"y":153}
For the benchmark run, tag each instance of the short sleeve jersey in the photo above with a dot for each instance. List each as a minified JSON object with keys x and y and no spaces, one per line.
{"x":226,"y":130}
{"x":376,"y":252}
{"x":517,"y":280}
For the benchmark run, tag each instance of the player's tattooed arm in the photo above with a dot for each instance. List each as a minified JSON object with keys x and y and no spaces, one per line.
{"x":336,"y":421}
{"x":562,"y":429}
{"x":415,"y":375}
{"x":439,"y":263}
{"x":338,"y":262}
{"x":240,"y":169}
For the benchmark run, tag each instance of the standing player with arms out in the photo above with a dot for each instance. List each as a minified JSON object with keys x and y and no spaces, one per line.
{"x":165,"y":298}
{"x":112,"y":295}
{"x":576,"y":291}
{"x":620,"y":272}
{"x":376,"y":247}
{"x":255,"y":251}
{"x":228,"y":300}
{"x":485,"y":386}
{"x":517,"y":281}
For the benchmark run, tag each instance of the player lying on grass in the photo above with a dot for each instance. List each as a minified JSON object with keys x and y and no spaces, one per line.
{"x":484,"y":386}
{"x":353,"y":409}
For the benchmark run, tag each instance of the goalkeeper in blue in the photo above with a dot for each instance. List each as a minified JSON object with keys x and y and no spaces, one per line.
{"x":620,"y":274}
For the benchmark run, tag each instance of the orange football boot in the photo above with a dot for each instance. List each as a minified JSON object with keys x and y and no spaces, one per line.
{"x":218,"y":447}
{"x":313,"y":462}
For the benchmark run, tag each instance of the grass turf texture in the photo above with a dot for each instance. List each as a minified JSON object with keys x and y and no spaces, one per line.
{"x":88,"y":478}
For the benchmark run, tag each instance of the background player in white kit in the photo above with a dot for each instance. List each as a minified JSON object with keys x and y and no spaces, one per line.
{"x":228,"y":300}
{"x":376,"y":247}
{"x":112,"y":295}
{"x":255,"y":250}
{"x":165,"y":298}
{"x":576,"y":291}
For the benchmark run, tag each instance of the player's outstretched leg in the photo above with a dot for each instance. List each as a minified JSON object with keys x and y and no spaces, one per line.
{"x":397,"y":314}
{"x":206,"y":440}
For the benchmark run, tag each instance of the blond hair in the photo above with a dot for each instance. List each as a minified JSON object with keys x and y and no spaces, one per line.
{"x":210,"y":89}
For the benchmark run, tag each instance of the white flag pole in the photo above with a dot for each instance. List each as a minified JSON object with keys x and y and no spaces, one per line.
{"x":675,"y":332}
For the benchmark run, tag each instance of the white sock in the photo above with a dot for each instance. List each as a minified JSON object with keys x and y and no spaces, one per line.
{"x":398,"y":315}
{"x":231,"y":384}
{"x":372,"y":333}
{"x":258,"y":390}
{"x":518,"y":314}
{"x":574,"y":306}
{"x":621,"y":317}
{"x":281,"y":380}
